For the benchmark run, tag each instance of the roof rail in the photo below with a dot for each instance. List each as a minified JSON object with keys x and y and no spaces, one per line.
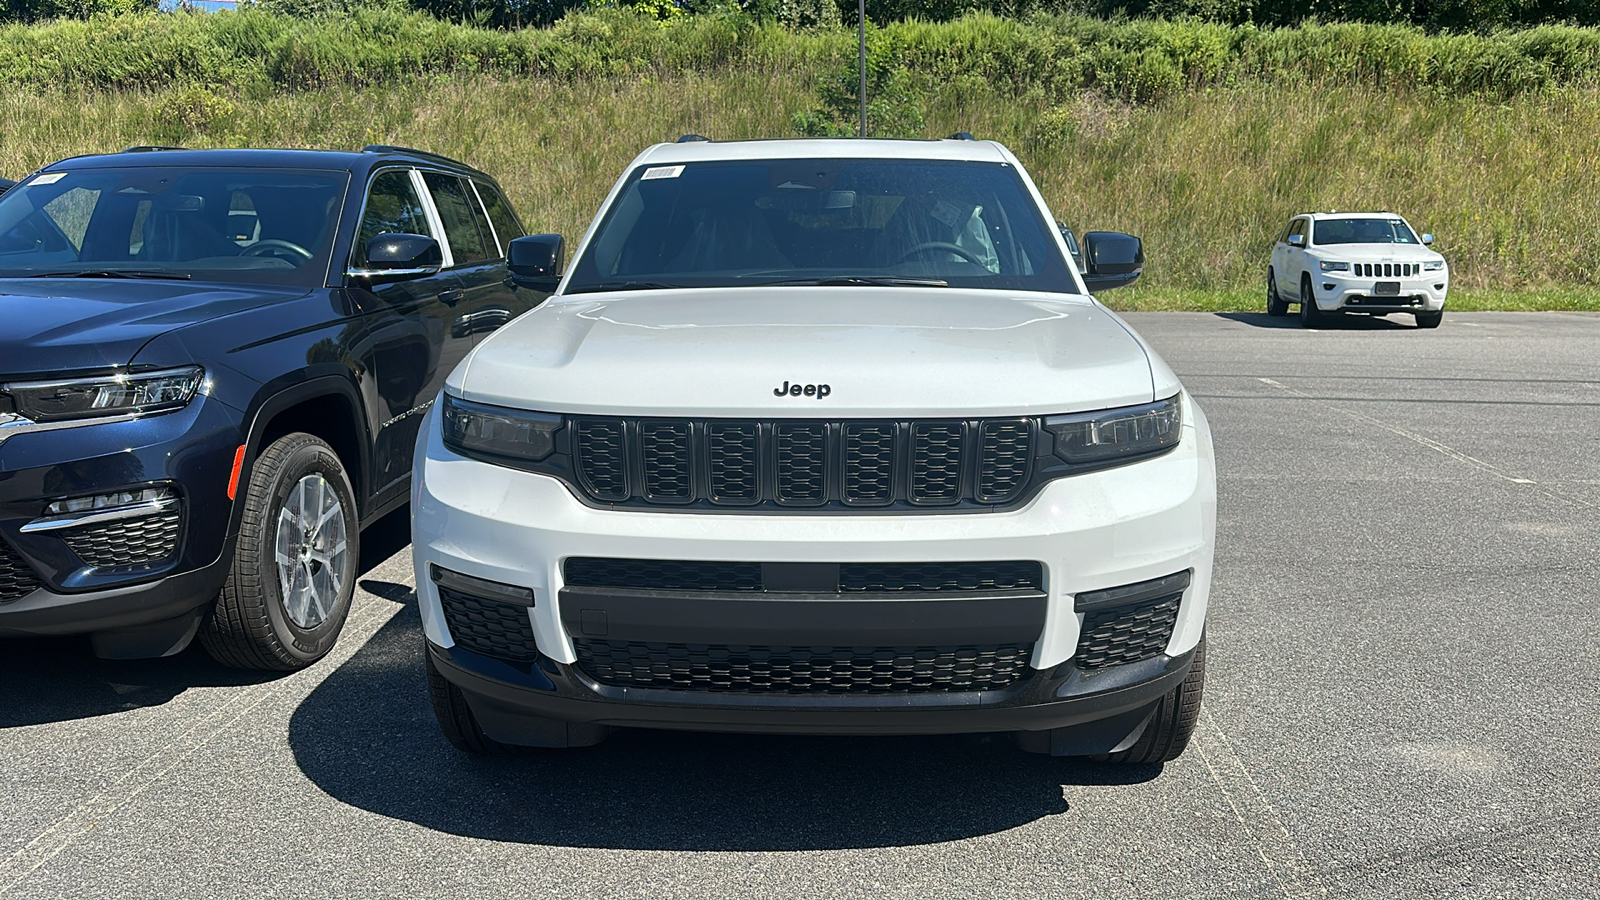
{"x":692,"y":138}
{"x":961,"y":136}
{"x":150,"y":148}
{"x":391,"y":148}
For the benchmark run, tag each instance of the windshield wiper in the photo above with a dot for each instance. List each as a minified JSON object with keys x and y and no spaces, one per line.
{"x":116,"y":273}
{"x":624,"y":286}
{"x":863,"y":280}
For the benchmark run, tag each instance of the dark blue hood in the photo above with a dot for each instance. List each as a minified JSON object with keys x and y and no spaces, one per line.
{"x":60,"y":325}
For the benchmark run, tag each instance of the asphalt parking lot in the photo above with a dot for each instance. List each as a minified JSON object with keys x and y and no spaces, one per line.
{"x":1403,"y":699}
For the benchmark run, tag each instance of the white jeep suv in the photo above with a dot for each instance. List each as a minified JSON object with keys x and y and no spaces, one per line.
{"x":818,"y":436}
{"x":1336,"y":263}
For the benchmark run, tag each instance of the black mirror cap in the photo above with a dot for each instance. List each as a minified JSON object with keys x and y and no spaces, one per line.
{"x":394,"y":250}
{"x":536,"y":256}
{"x":1111,"y":260}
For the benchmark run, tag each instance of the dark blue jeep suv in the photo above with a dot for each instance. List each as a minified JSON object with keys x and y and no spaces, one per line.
{"x":213,"y":365}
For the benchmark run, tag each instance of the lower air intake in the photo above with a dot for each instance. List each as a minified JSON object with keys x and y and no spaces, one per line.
{"x":803,"y":670}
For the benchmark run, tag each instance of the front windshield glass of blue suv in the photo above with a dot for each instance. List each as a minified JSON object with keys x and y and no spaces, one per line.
{"x":823,"y":221}
{"x":249,"y":226}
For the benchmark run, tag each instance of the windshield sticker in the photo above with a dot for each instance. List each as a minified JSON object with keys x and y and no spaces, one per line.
{"x":661,"y":172}
{"x":52,"y":178}
{"x":945,"y":212}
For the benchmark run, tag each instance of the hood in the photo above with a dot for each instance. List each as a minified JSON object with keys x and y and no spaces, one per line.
{"x":1377,"y":252}
{"x":61,"y":325}
{"x":853,"y":352}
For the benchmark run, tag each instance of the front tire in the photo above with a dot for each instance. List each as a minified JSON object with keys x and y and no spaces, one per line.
{"x":1170,"y":728}
{"x":456,"y":721}
{"x":1310,"y":316}
{"x":294,"y":569}
{"x":1429,"y":320}
{"x":1276,"y":305}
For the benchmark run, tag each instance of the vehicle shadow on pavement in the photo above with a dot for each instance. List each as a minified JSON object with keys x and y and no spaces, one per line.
{"x":368,"y":738}
{"x":59,"y":679}
{"x":1342,"y":323}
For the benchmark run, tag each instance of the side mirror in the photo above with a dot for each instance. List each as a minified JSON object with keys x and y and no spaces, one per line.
{"x":1427,"y":239}
{"x":395,"y":255}
{"x":1111,"y":260}
{"x":535,"y":261}
{"x":1297,"y":240}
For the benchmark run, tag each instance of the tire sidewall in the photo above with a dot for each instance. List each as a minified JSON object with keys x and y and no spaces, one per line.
{"x":1309,"y":314}
{"x":305,"y":644}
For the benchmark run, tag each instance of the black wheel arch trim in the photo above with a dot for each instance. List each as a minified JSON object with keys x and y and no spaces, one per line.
{"x":271,"y":404}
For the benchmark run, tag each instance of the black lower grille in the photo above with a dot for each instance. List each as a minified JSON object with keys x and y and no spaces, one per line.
{"x":490,"y":627}
{"x":1127,"y":634}
{"x":130,"y":542}
{"x":741,"y":577}
{"x":936,"y":578}
{"x":803,"y":670}
{"x":16,"y":577}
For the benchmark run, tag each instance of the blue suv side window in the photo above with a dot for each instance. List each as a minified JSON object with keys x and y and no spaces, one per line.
{"x":393,"y":207}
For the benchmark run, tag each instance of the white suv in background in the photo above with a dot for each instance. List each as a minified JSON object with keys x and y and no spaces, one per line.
{"x":825,"y":437}
{"x":1374,"y":263}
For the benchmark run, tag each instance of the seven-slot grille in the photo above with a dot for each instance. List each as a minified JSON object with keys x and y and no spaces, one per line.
{"x":1385,"y":270}
{"x":801,"y":463}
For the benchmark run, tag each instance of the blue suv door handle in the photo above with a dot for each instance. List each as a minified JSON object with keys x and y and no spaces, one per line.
{"x":452,"y":296}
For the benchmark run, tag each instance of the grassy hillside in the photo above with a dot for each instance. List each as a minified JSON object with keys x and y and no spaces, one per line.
{"x":1509,"y":180}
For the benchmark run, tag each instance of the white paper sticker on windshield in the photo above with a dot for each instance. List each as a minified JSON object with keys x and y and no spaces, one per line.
{"x":661,"y":172}
{"x":52,"y":178}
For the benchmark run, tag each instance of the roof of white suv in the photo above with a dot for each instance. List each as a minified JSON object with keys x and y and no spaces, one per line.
{"x":1321,"y":216}
{"x":823,"y":148}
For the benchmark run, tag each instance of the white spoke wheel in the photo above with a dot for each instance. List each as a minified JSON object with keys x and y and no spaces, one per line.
{"x":294,"y":566}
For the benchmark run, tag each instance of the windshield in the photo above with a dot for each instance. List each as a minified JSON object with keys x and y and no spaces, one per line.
{"x":1362,"y":231}
{"x":823,"y":221}
{"x":250,"y":226}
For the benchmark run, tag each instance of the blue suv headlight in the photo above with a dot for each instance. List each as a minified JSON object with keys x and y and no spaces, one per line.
{"x":129,"y":394}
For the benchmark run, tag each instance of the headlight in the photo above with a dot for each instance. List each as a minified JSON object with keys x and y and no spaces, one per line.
{"x":478,"y":428}
{"x":1433,"y":265}
{"x":1335,"y":266}
{"x":1115,"y":433}
{"x":114,"y":395}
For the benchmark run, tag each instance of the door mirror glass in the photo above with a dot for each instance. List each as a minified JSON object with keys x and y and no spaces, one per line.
{"x":394,"y":254}
{"x":1427,"y":239}
{"x":1297,"y":240}
{"x":1111,"y":260}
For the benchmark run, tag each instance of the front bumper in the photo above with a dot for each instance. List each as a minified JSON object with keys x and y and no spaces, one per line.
{"x":1103,"y":709}
{"x":1341,"y":291}
{"x":1089,"y":532}
{"x":130,"y":571}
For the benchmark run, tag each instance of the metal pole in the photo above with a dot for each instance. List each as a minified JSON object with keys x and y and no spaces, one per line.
{"x":861,"y":38}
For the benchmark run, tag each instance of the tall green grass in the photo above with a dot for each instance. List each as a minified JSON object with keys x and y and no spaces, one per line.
{"x":254,"y":49}
{"x":1502,"y":165}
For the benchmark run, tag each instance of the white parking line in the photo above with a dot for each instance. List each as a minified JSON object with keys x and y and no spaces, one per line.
{"x":373,"y":614}
{"x":1274,"y":843}
{"x":1430,"y":443}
